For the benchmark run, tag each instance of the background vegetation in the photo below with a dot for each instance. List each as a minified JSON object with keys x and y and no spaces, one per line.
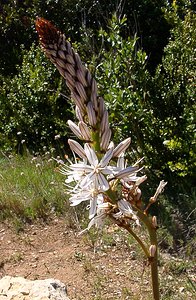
{"x":142,"y":54}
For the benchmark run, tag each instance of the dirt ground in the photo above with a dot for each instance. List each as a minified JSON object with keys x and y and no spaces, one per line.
{"x":107,"y":271}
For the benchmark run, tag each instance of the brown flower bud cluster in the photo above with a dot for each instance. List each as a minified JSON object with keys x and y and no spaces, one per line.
{"x":90,"y":108}
{"x":132,"y":192}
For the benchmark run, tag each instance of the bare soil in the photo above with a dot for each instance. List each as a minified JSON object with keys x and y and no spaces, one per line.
{"x":112,"y":270}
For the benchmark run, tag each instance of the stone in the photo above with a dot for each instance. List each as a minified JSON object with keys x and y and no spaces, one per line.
{"x":19,"y":288}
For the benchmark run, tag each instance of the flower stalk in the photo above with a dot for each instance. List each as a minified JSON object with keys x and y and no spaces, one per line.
{"x":100,"y":173}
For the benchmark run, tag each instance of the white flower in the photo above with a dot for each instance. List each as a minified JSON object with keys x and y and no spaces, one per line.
{"x":125,"y":210}
{"x":102,"y":210}
{"x":95,"y":171}
{"x":122,"y":171}
{"x":90,"y":194}
{"x":89,"y":176}
{"x":133,"y":181}
{"x":128,"y":175}
{"x":71,"y":176}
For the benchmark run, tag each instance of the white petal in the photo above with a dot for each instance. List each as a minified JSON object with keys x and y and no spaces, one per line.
{"x":96,"y":183}
{"x":87,"y":180}
{"x":103,"y":183}
{"x":126,"y":172}
{"x":141,"y":179}
{"x":125,"y":208}
{"x":76,"y":202}
{"x":91,"y":223}
{"x":90,"y":153}
{"x":108,"y":170}
{"x":105,"y":160}
{"x":81,"y":167}
{"x":111,"y":145}
{"x":121,"y":162}
{"x":83,"y":196}
{"x":93,"y":207}
{"x":138,"y":161}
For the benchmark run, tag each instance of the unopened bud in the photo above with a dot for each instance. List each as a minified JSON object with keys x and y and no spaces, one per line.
{"x":152,"y":200}
{"x":152,"y":250}
{"x":77,"y":148}
{"x":154,"y":222}
{"x":121,"y":147}
{"x":75,"y":129}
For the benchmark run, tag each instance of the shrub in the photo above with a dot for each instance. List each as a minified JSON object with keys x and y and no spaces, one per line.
{"x":33,"y":113}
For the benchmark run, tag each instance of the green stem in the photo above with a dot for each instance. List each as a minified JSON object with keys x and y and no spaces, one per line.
{"x":154,"y":261}
{"x":154,"y":269}
{"x":142,"y":216}
{"x":128,"y":228}
{"x":96,"y":141}
{"x":112,"y":196}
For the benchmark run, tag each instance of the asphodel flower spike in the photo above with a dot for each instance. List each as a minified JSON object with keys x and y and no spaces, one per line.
{"x":100,"y":173}
{"x":82,"y":86}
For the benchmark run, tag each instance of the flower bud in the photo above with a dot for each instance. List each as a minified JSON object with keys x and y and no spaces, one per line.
{"x":77,"y":148}
{"x":81,"y":76}
{"x":121,"y":147}
{"x":159,"y":190}
{"x":84,"y":130}
{"x":80,"y":89}
{"x":91,"y":114}
{"x":105,"y":139}
{"x":152,"y":250}
{"x":154,"y":222}
{"x":104,"y":122}
{"x":152,"y":200}
{"x":75,"y":129}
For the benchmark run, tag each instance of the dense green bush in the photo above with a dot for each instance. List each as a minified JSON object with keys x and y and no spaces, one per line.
{"x":174,"y":90}
{"x":33,"y":114}
{"x":157,"y":111}
{"x":17,"y":18}
{"x":125,"y":83}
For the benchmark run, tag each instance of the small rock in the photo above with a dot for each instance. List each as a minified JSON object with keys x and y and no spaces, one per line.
{"x":14,"y":288}
{"x":181,"y":289}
